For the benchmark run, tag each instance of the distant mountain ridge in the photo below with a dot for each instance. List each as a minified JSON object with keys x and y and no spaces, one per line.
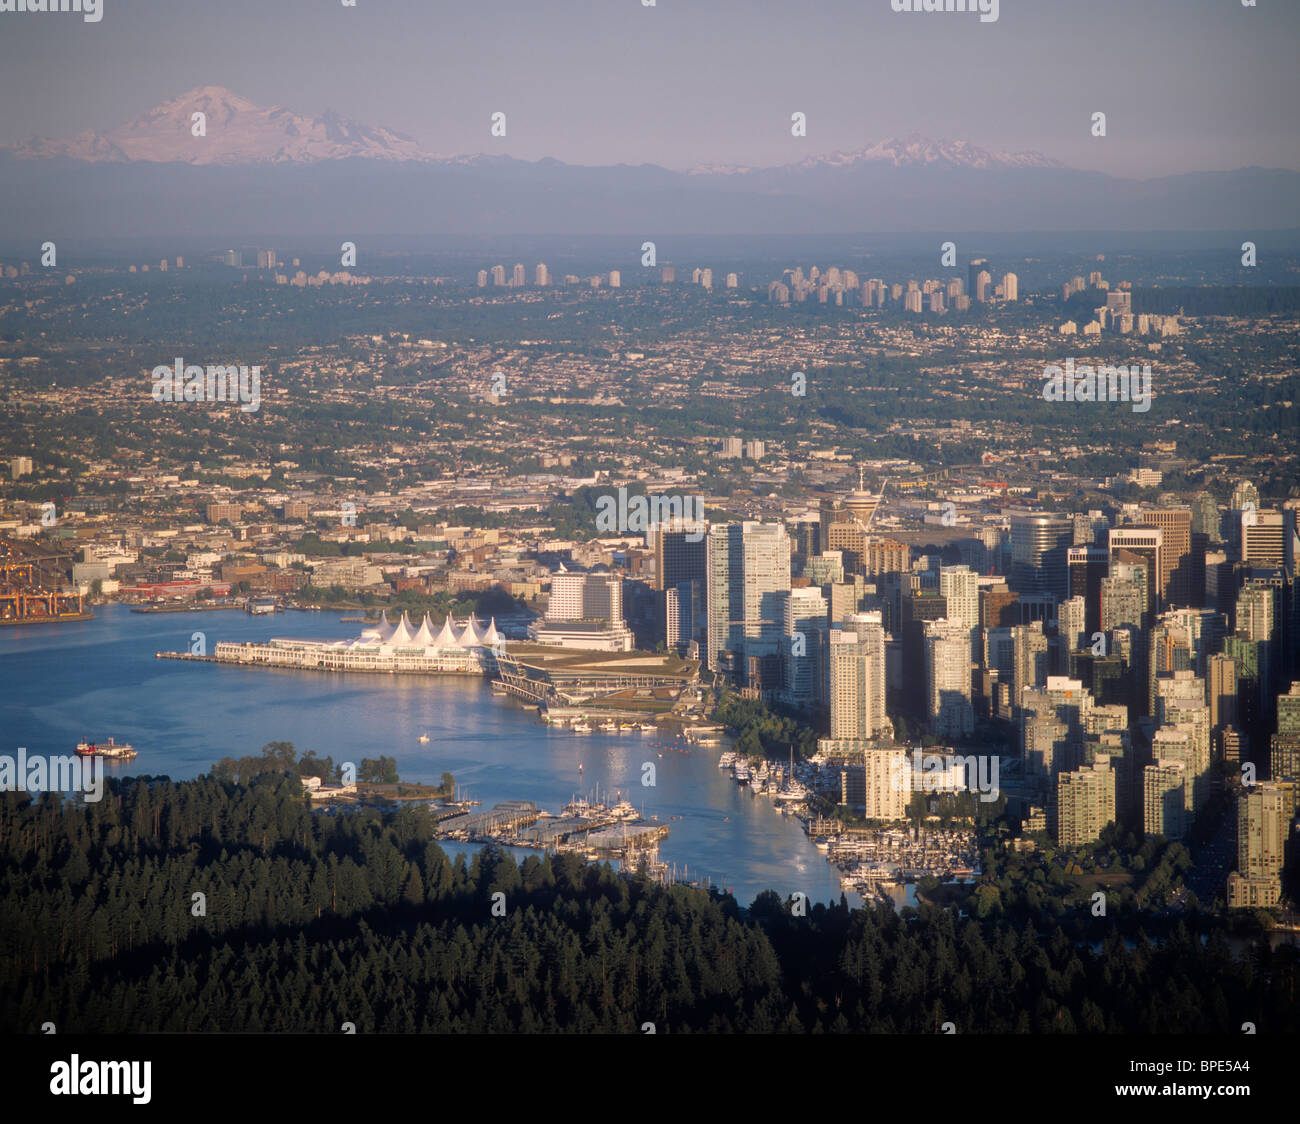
{"x":262,"y":169}
{"x":238,"y":131}
{"x":911,"y":151}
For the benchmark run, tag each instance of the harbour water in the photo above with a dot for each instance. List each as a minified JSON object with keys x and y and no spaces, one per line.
{"x":93,"y":679}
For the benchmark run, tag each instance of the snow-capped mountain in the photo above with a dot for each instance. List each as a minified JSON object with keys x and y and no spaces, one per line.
{"x":270,"y":169}
{"x":237,"y":132}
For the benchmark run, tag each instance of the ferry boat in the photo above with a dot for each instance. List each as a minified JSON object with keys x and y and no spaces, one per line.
{"x":109,"y":748}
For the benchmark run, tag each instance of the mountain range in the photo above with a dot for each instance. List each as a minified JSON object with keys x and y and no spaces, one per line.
{"x":262,"y":169}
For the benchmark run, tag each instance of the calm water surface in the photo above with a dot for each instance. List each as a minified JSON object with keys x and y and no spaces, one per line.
{"x":99,"y":678}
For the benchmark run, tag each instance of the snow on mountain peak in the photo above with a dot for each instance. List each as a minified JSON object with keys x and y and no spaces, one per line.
{"x":236,"y":131}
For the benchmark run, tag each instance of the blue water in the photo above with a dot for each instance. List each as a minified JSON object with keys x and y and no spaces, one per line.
{"x":100,"y":678}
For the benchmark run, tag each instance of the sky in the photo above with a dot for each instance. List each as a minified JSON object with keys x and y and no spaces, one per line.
{"x":1187,"y":85}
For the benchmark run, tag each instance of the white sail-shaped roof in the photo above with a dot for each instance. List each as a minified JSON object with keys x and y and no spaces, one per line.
{"x":446,"y":637}
{"x":471,"y":637}
{"x":403,"y":633}
{"x":491,"y":638}
{"x":424,"y":637}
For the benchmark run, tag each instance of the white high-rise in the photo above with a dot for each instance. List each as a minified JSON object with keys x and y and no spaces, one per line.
{"x":857,"y":678}
{"x":806,"y":625}
{"x":748,"y":568}
{"x":948,"y":678}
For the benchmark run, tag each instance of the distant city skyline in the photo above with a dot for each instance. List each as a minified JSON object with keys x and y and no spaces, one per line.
{"x":1192,"y":86}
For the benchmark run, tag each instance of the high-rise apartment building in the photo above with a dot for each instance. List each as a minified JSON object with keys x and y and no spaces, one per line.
{"x":806,"y":625}
{"x":1261,"y":835}
{"x":948,"y":678}
{"x":1085,"y":803}
{"x":1163,"y":802}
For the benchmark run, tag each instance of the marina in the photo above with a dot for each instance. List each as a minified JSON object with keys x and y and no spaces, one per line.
{"x":185,"y":715}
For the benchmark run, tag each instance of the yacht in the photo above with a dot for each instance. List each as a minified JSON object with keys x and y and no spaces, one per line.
{"x":109,"y":749}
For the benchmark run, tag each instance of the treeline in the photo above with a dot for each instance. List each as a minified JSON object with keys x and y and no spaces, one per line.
{"x":762,"y":732}
{"x":309,"y":921}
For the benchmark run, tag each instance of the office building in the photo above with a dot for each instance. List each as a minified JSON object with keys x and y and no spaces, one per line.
{"x":748,"y":568}
{"x":1146,"y":544}
{"x":1040,"y":545}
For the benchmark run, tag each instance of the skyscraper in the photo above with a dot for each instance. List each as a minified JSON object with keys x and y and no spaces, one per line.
{"x":1040,"y":545}
{"x":1087,"y":566}
{"x":1221,"y":689}
{"x":960,"y":588}
{"x":861,"y":650}
{"x":806,"y":625}
{"x":948,"y":678}
{"x":1163,"y":804}
{"x":1268,"y":540}
{"x":680,"y":554}
{"x":1261,"y":834}
{"x":517,"y":276}
{"x":1085,"y":803}
{"x":1146,"y":543}
{"x":542,"y":275}
{"x":854,"y":669}
{"x":1176,"y":564}
{"x":748,"y":568}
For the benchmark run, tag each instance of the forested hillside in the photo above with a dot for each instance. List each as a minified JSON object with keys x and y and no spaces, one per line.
{"x":314,"y":920}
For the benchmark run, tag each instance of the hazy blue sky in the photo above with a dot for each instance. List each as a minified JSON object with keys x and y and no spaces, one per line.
{"x":1187,"y":85}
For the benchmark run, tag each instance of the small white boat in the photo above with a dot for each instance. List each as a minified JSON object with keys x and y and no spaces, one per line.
{"x":423,"y":739}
